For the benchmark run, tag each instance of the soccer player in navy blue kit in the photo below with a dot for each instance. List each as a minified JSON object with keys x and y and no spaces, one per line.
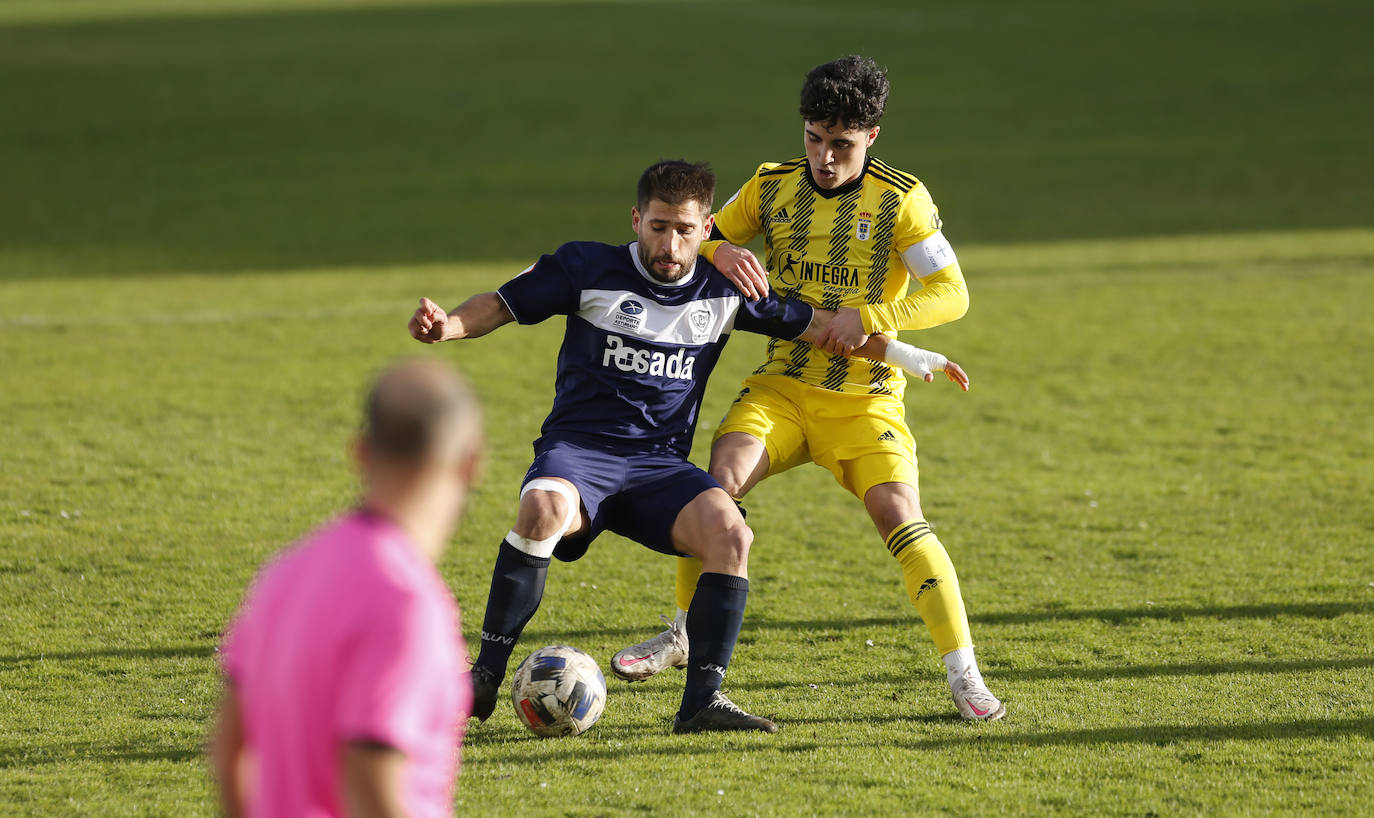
{"x":646,"y":323}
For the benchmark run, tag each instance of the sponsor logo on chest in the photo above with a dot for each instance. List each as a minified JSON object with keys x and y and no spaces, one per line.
{"x":629,"y":316}
{"x":796,"y":270}
{"x":677,"y":365}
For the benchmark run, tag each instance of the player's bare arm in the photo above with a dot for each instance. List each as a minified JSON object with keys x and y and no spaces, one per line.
{"x":743,"y":268}
{"x":844,"y":335}
{"x":373,"y":780}
{"x":822,"y":320}
{"x":473,"y":318}
{"x":226,"y":753}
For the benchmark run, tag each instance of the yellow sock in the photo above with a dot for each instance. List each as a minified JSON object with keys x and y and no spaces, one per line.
{"x":688,"y":572}
{"x":931,"y":584}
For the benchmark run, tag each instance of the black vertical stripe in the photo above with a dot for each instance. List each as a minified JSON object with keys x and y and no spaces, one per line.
{"x":884,"y":234}
{"x":805,"y":208}
{"x":878,"y":375}
{"x":801,"y":218}
{"x":843,"y":229}
{"x":838,"y":370}
{"x":768,"y":194}
{"x":884,"y":229}
{"x":837,"y":373}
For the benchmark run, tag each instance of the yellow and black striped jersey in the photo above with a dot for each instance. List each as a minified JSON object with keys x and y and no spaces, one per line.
{"x":836,"y":248}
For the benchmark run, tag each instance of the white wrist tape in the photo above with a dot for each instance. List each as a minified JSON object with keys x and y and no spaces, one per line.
{"x":917,"y":361}
{"x":544,"y":548}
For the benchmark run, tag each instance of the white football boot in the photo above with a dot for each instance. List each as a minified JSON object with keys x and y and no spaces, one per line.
{"x":638,"y":662}
{"x":974,"y":700}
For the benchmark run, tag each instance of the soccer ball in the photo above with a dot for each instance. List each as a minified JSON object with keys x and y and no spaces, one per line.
{"x":558,"y":691}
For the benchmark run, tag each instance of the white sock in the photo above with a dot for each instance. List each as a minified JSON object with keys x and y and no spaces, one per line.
{"x":681,"y":619}
{"x":957,"y":663}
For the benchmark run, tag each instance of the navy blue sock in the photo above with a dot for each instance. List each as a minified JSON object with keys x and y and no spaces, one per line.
{"x":517,"y":586}
{"x":713,"y":624}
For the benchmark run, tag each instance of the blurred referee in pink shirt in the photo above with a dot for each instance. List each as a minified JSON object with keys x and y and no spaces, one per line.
{"x":346,"y":690}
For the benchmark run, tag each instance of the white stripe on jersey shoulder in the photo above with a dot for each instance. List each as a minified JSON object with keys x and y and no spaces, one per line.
{"x":628,"y":313}
{"x":929,"y":255}
{"x":634,"y":256}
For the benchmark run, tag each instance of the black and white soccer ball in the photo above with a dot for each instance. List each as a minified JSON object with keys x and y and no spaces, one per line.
{"x":558,"y":691}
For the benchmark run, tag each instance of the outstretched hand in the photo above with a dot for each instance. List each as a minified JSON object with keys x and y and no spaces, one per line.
{"x":744,"y":269}
{"x":429,"y":323}
{"x":955,"y":373}
{"x":923,"y":363}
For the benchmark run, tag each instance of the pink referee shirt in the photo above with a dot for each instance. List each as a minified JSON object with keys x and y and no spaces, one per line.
{"x":349,"y":635}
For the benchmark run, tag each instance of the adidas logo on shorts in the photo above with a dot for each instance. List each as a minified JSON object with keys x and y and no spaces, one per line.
{"x":887,"y":437}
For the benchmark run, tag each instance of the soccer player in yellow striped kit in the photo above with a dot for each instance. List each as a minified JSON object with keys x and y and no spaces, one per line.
{"x":847,"y":232}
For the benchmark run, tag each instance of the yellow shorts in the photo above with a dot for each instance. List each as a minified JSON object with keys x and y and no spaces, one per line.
{"x":862,"y":439}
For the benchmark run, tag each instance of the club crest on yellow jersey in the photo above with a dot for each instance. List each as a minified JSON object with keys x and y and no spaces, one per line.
{"x":863,"y":227}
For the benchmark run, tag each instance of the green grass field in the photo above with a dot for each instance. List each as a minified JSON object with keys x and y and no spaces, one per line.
{"x":216,"y":218}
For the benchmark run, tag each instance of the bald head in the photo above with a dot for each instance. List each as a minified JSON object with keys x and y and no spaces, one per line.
{"x":421,"y":413}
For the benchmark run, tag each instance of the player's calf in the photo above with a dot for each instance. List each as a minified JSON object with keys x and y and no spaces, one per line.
{"x":933,"y":587}
{"x":548,"y":508}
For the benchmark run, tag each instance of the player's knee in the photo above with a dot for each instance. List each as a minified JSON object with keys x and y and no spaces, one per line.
{"x":890,"y":519}
{"x":891,"y":504}
{"x":543,"y":514}
{"x":730,"y":543}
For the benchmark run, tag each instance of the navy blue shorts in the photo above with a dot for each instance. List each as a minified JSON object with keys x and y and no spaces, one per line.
{"x":636,"y":496}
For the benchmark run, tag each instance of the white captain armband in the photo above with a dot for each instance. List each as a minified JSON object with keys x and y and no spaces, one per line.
{"x":929,"y":256}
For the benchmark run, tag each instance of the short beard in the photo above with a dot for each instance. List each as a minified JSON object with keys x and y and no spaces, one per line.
{"x":683,"y":270}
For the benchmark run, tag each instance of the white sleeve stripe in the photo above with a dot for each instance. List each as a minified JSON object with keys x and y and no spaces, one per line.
{"x":929,"y":256}
{"x":694,"y":323}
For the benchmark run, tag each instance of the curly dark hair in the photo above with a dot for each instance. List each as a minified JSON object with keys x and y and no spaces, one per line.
{"x":674,"y":181}
{"x":851,"y":91}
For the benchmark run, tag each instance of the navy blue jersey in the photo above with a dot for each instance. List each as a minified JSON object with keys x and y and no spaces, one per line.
{"x":637,"y":352}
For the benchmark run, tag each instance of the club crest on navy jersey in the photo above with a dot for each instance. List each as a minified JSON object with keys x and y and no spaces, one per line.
{"x":700,"y":320}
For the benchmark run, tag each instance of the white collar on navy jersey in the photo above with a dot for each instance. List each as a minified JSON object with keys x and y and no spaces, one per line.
{"x":634,"y":256}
